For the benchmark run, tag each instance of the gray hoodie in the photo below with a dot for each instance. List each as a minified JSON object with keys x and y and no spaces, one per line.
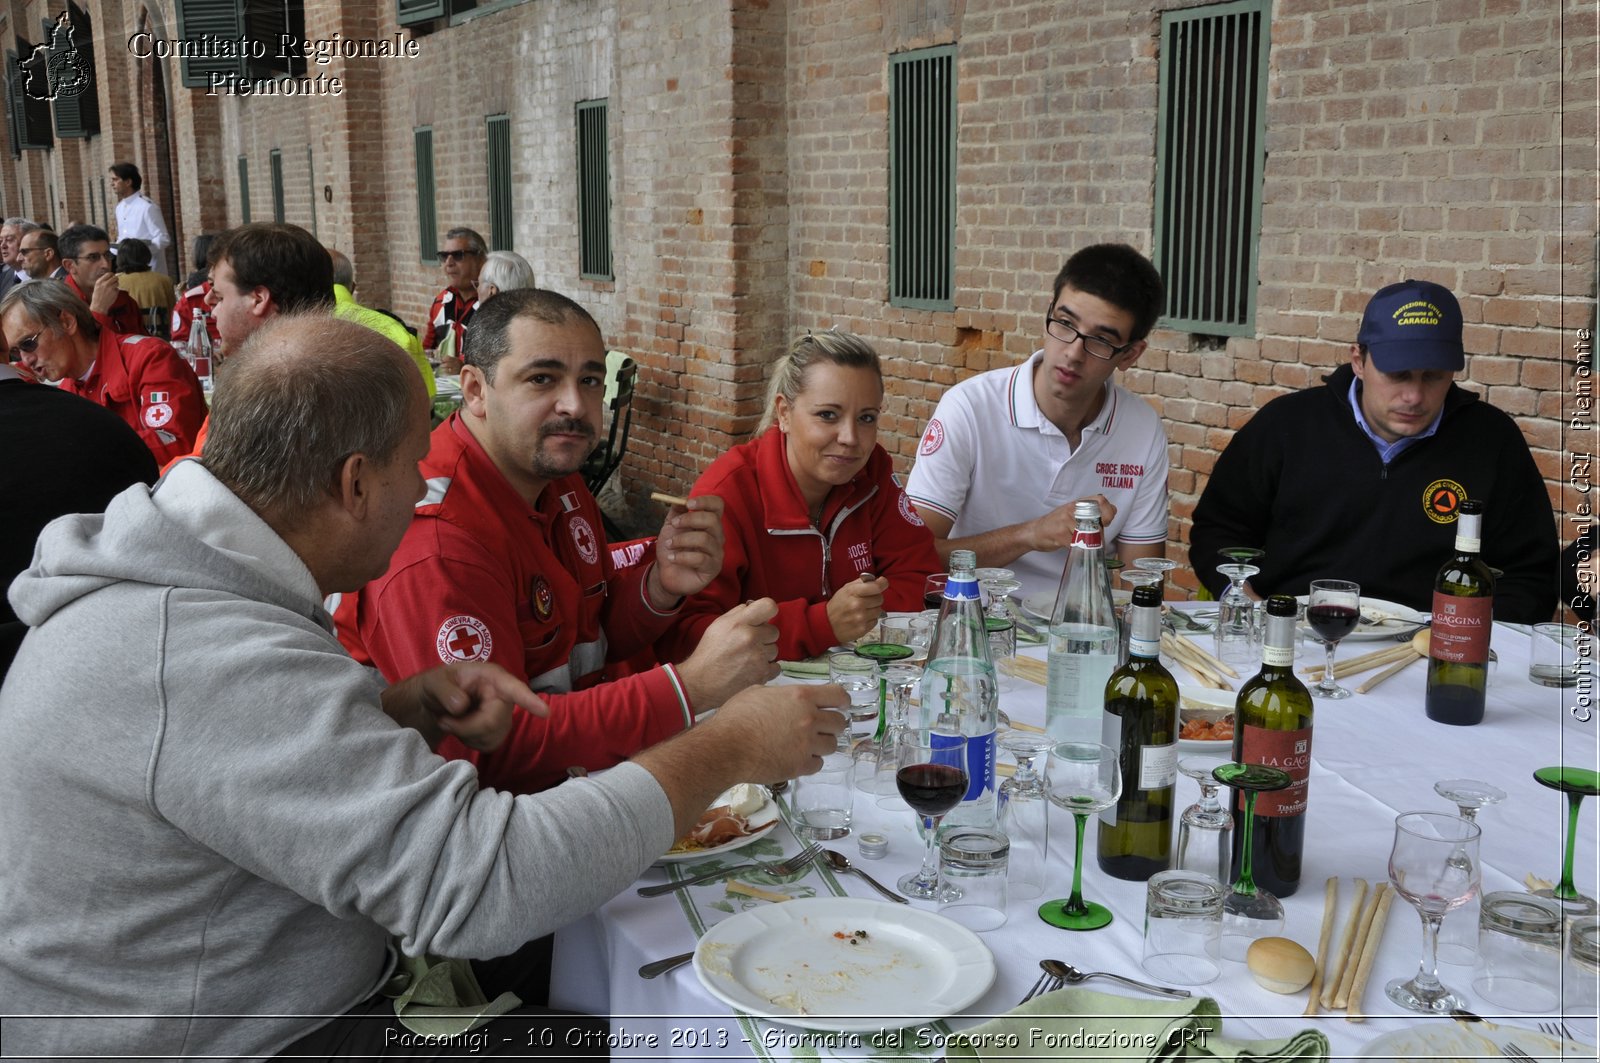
{"x":205,"y":812}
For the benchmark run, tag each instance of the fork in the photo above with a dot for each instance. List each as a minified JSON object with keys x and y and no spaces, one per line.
{"x":799,"y":861}
{"x":1067,"y":974}
{"x":1047,"y":983}
{"x":1556,"y":1029}
{"x":1511,"y":1051}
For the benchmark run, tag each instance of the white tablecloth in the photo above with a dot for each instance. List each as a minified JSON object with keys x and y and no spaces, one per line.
{"x":1374,"y":756}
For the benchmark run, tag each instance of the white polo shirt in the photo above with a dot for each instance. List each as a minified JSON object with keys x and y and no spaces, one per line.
{"x":990,"y":458}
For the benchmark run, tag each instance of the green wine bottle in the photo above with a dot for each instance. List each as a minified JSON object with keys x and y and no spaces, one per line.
{"x":1463,"y":608}
{"x":1272,"y":726}
{"x":1140,"y":721}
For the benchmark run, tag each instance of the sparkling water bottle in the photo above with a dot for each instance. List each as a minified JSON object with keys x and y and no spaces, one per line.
{"x":1083,"y":636}
{"x":959,"y":684}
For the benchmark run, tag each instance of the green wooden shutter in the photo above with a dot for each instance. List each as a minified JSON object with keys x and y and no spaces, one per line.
{"x":427,"y":212}
{"x":311,"y":184}
{"x":1210,"y":158}
{"x":77,"y":112}
{"x":34,"y":127}
{"x":104,"y":213}
{"x":214,"y":18}
{"x":498,"y":130}
{"x":13,"y":103}
{"x":922,"y":178}
{"x":244,"y":187}
{"x":275,"y":164}
{"x":594,"y":192}
{"x":266,"y":21}
{"x":411,"y":12}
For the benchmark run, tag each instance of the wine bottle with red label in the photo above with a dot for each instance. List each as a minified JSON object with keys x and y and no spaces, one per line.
{"x":1463,"y":610}
{"x":1272,"y":726}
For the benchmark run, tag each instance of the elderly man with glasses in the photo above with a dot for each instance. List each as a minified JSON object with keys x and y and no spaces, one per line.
{"x":92,"y":276}
{"x":1010,"y":451}
{"x":462,"y":259}
{"x":139,"y":378}
{"x":39,"y":258}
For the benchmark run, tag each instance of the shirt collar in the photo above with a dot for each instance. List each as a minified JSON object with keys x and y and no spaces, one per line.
{"x":1024,"y":404}
{"x":1388,"y":451}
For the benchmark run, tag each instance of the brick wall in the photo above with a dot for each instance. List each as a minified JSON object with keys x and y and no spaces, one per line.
{"x":1445,"y":139}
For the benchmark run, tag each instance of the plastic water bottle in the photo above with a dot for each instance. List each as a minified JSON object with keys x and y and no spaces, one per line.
{"x":959,"y":683}
{"x":202,"y":354}
{"x":1083,"y":636}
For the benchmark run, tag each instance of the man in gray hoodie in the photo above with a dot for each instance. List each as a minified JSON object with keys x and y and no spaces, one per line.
{"x":214,"y":818}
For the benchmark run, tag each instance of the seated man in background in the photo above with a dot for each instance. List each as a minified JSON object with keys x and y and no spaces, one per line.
{"x":151,"y":290}
{"x":92,"y":275}
{"x":506,"y":561}
{"x":139,"y":378}
{"x":1009,"y":452}
{"x":1361,"y":478}
{"x":462,"y":259}
{"x":245,"y":792}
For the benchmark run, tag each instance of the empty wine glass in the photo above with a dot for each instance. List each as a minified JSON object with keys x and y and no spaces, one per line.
{"x":1576,"y":783}
{"x":874,"y":757}
{"x":1458,"y":934}
{"x":1205,"y":830}
{"x":1237,"y":635}
{"x":1434,"y":866}
{"x":1333,"y":610}
{"x":1134,"y":578}
{"x":1161,"y":566}
{"x":932,"y":777}
{"x":1084,"y":779}
{"x":1248,"y":911}
{"x":1024,"y":806}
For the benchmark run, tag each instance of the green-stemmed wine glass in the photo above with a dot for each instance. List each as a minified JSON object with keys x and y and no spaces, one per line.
{"x":1248,"y":911}
{"x":1576,"y":783}
{"x":1084,"y":779}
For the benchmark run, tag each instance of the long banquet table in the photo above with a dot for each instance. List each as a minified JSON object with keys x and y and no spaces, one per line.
{"x":1373,"y":756}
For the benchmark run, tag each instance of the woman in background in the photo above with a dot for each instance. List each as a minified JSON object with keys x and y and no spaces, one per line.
{"x":812,"y":514}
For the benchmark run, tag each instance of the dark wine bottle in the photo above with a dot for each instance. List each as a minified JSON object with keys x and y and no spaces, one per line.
{"x":1272,"y":726}
{"x":1458,"y":646}
{"x":1140,"y":721}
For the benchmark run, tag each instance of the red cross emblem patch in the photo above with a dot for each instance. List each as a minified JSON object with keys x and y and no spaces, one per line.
{"x":584,"y":538}
{"x":157,"y":414}
{"x":463,"y":638}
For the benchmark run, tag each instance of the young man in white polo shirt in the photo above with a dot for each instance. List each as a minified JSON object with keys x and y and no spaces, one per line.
{"x":1008,"y":452}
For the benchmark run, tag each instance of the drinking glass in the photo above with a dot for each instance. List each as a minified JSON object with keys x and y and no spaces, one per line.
{"x":1576,"y":783}
{"x":998,"y":585}
{"x":1084,"y":779}
{"x":1205,"y":830}
{"x":1434,"y":866}
{"x":1134,"y":578}
{"x":1458,"y":935}
{"x":859,"y":678}
{"x":1161,"y":566}
{"x":1024,"y":810}
{"x":1248,"y":911}
{"x":932,"y":777}
{"x":1333,"y":611}
{"x":1238,"y":637}
{"x":933,"y":590}
{"x":875,"y":764}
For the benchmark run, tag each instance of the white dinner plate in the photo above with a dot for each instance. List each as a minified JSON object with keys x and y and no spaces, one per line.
{"x":764,"y":819}
{"x":795,"y":964}
{"x":1449,"y":1042}
{"x":1405,"y":620}
{"x":1218,"y":701}
{"x":1039,"y":605}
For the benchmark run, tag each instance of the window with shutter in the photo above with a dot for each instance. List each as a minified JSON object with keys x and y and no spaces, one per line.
{"x":594,"y":192}
{"x":498,"y":128}
{"x":275,"y":163}
{"x":72,"y":83}
{"x":427,"y":214}
{"x":244,"y":187}
{"x":922,"y":178}
{"x":33,"y":112}
{"x":220,"y":19}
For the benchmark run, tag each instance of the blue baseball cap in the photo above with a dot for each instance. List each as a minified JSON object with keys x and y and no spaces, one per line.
{"x":1413,"y":325}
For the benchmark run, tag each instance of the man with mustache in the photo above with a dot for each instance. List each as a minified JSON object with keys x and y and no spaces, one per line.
{"x":506,"y":561}
{"x":1362,"y":478}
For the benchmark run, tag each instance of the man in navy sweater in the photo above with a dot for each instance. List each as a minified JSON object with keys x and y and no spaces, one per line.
{"x":1361,"y":478}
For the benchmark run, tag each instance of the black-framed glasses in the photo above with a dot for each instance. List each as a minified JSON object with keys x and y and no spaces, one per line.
{"x":93,"y":256}
{"x":29,"y":250}
{"x":27,"y":346}
{"x":453,"y":256}
{"x":1093,"y":345}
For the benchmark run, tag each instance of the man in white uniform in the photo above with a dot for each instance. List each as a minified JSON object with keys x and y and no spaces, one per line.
{"x":137,"y":217}
{"x":1008,"y":452}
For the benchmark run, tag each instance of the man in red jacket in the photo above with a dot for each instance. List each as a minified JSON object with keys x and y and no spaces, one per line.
{"x":139,"y":378}
{"x":506,"y":561}
{"x":92,"y":276}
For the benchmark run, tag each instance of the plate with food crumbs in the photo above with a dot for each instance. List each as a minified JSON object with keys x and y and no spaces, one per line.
{"x":1468,"y":1042}
{"x":844,"y":964}
{"x":739,"y":816}
{"x":1205,"y":720}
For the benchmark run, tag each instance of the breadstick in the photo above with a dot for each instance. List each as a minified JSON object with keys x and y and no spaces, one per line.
{"x":1348,"y":979}
{"x":1180,"y":651}
{"x":744,"y":889}
{"x":1368,"y":952}
{"x":1330,"y":985}
{"x":1393,"y":669}
{"x":1211,"y":661}
{"x":667,"y":500}
{"x":1330,"y":908}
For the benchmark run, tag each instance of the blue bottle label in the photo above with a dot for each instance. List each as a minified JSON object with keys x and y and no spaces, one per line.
{"x":961,"y":590}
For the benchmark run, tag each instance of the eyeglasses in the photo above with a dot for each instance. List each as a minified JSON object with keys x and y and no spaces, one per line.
{"x":93,"y":256}
{"x":1093,"y":345}
{"x":27,"y":346}
{"x":29,"y":250}
{"x":454,"y":256}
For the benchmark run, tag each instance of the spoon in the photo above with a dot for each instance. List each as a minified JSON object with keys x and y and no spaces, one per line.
{"x":839,"y":862}
{"x":1070,"y":975}
{"x":659,"y":967}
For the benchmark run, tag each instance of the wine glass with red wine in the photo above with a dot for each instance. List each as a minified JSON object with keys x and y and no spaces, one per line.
{"x":1333,"y":612}
{"x":932,"y":777}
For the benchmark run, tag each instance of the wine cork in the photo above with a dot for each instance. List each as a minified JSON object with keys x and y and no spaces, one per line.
{"x":1330,"y":986}
{"x":1348,"y":979}
{"x":667,"y":500}
{"x":1368,"y":952}
{"x":1330,"y":907}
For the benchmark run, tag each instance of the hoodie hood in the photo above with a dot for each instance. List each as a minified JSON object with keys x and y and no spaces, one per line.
{"x":186,"y":532}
